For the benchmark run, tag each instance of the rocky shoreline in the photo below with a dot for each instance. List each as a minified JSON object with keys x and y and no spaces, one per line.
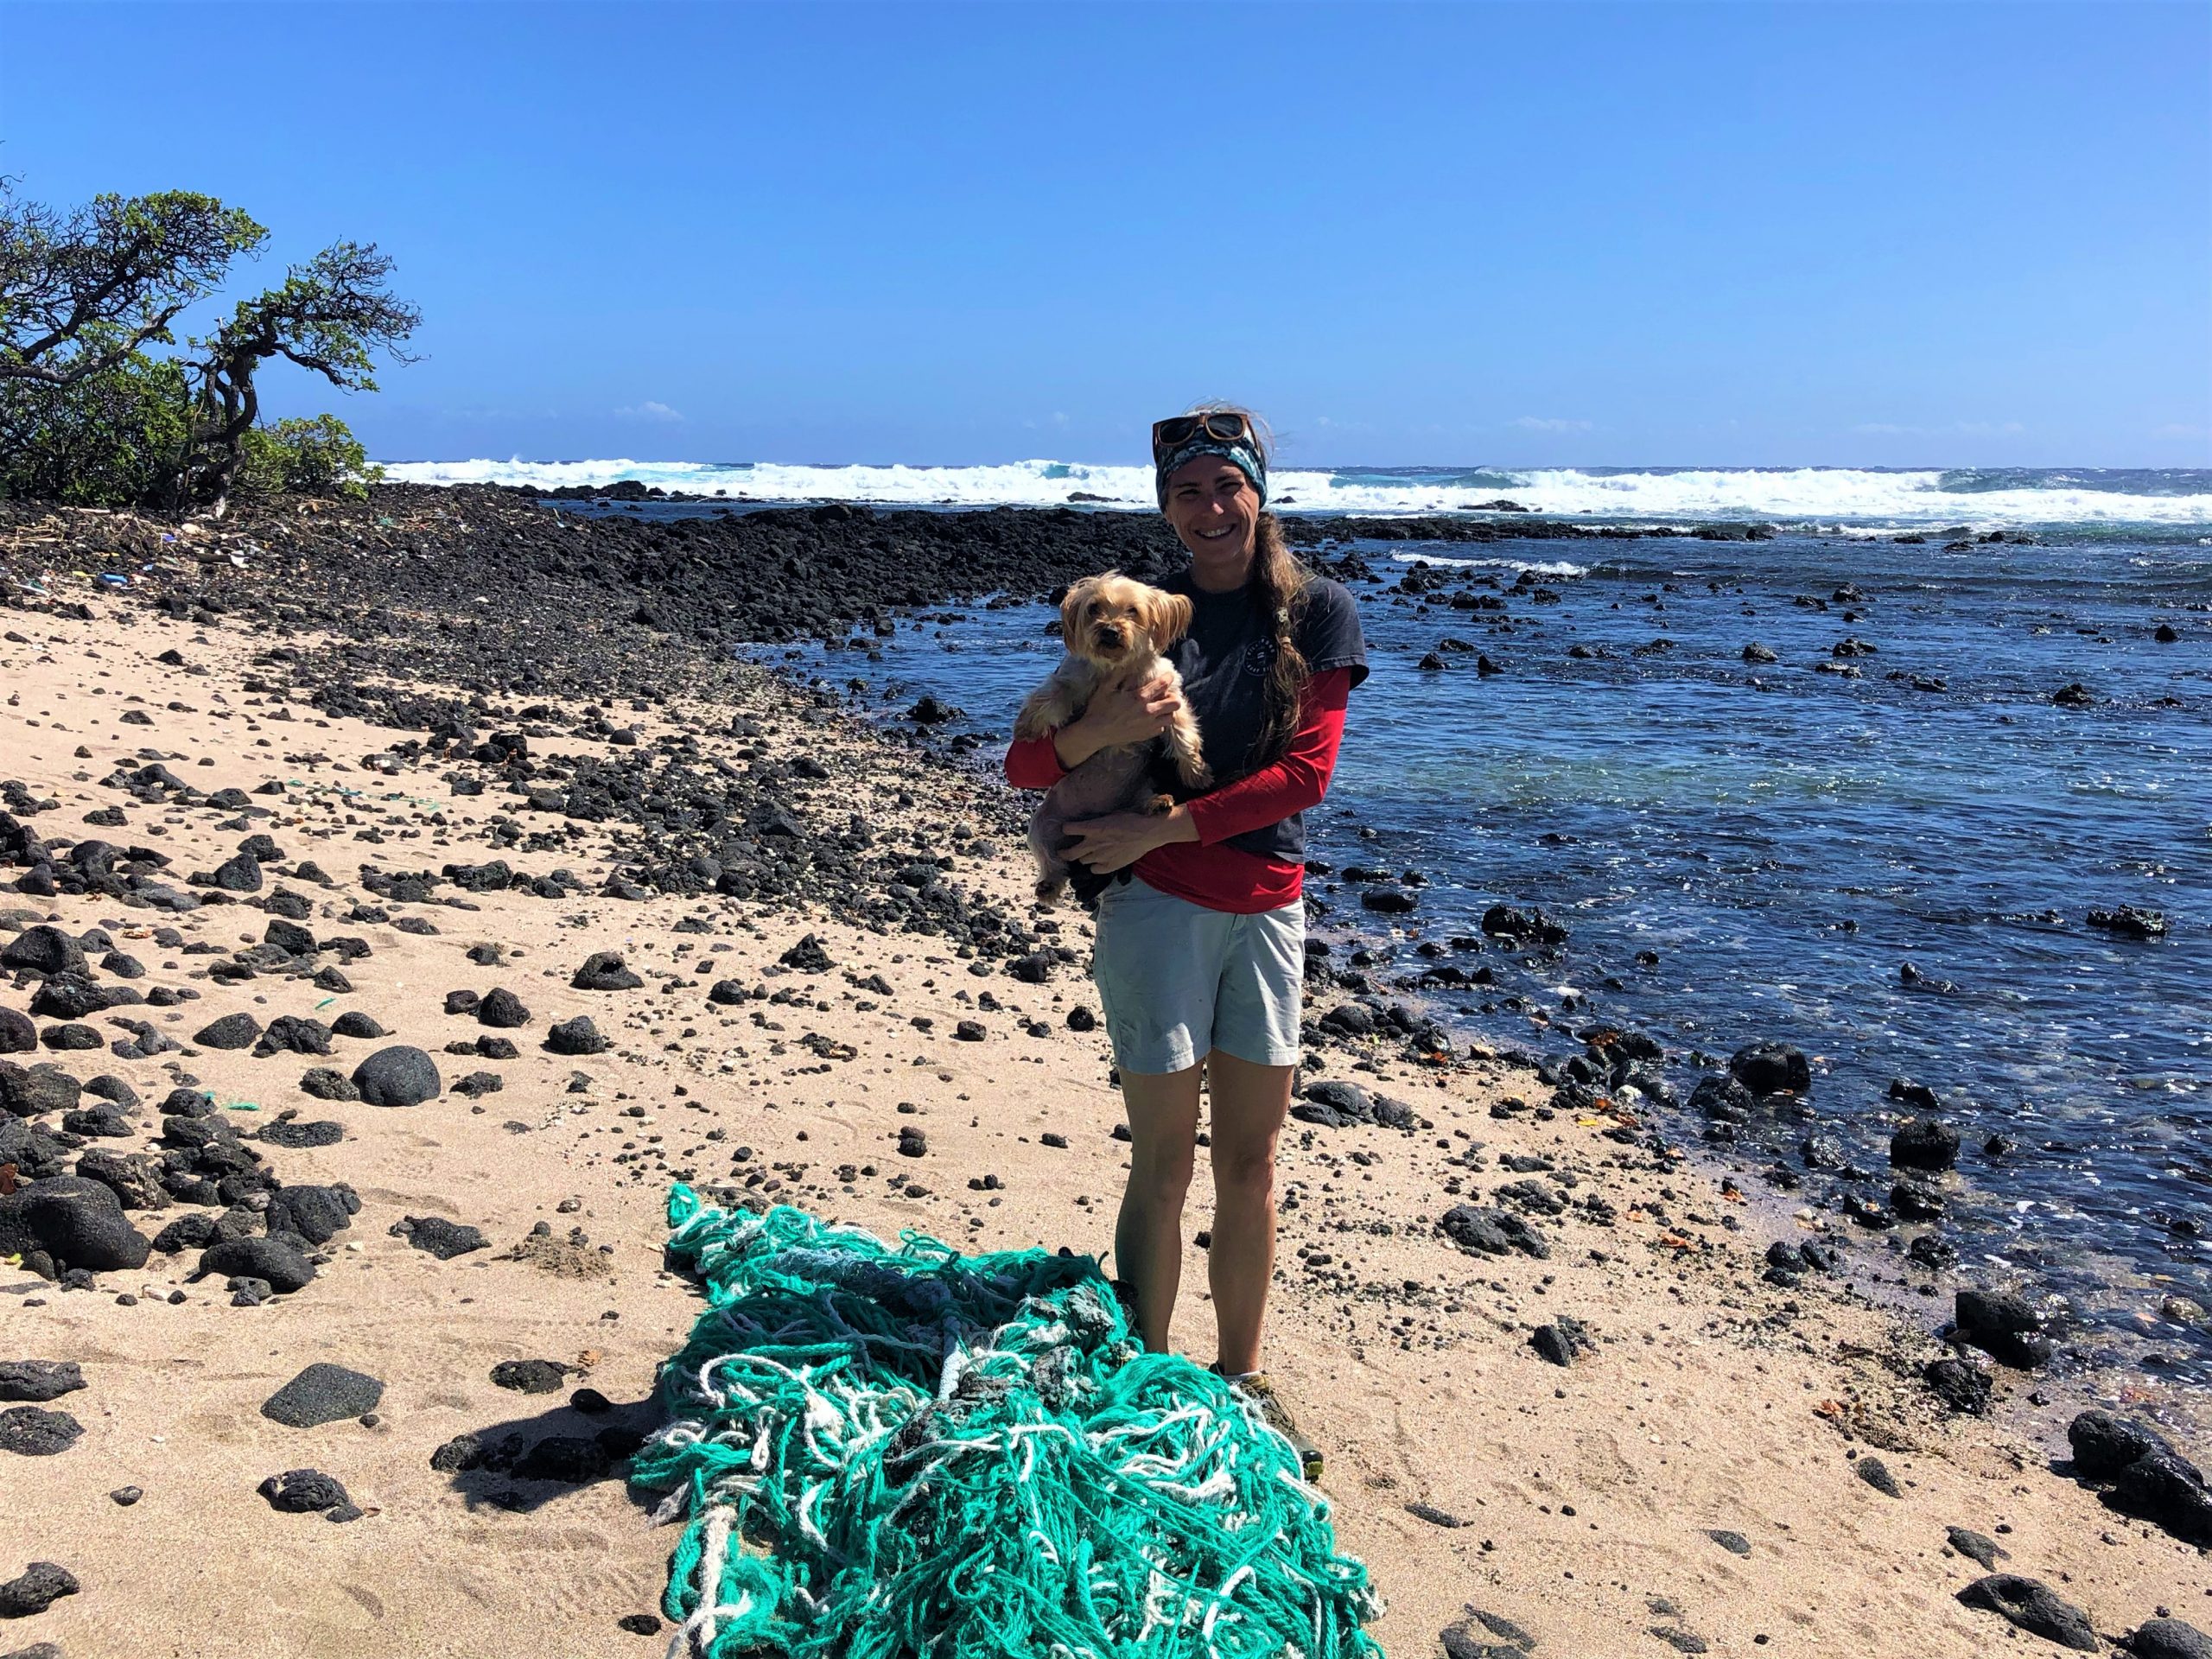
{"x":543,"y":738}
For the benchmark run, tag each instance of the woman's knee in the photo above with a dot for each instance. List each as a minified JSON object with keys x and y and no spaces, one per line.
{"x":1244,"y":1168}
{"x":1161,"y":1174}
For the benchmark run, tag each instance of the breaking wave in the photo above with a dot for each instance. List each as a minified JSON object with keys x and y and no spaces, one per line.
{"x":1837,"y":496}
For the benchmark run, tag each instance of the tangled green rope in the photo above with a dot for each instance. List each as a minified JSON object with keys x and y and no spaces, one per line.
{"x":882,"y":1453}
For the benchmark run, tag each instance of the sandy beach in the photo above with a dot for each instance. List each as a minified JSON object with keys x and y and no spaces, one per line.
{"x":1737,"y":1462}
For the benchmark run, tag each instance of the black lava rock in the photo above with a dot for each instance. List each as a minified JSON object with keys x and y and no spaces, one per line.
{"x":2104,"y":1445}
{"x":604,"y":970}
{"x":1961,"y":1386}
{"x":315,"y":1213}
{"x":1772,"y":1069}
{"x":576,"y":1036}
{"x":34,"y":1091}
{"x":1876,"y":1473}
{"x":282,"y":1265}
{"x":809,"y":956}
{"x":292,"y":1135}
{"x":33,"y":1431}
{"x":1492,"y":1232}
{"x":289,"y":1035}
{"x":1925,"y":1143}
{"x":1986,"y":1551}
{"x":1523,"y":926}
{"x":2034,"y":1607}
{"x":2167,"y":1638}
{"x":39,"y":1380}
{"x":398,"y":1076}
{"x":36,"y":1590}
{"x":1561,"y":1340}
{"x":529,"y":1376}
{"x":439,"y":1237}
{"x":323,"y":1393}
{"x":305,"y":1492}
{"x":241,"y":873}
{"x":324,"y":1082}
{"x":502,"y":1010}
{"x":354,"y":1023}
{"x":2002,"y":1325}
{"x":44,"y":949}
{"x":232,"y":1031}
{"x":75,"y":1222}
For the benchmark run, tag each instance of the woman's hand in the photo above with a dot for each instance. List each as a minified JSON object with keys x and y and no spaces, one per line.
{"x":1119,"y":839}
{"x":1118,"y":716}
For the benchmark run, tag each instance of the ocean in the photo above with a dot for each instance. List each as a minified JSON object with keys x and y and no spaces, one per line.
{"x":1891,"y":867}
{"x":2158,"y":503}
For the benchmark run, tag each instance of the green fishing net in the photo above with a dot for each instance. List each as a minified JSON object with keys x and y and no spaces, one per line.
{"x":878,"y":1453}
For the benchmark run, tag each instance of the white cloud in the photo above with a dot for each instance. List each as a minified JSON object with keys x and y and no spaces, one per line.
{"x":1542,"y":423}
{"x":648,"y":411}
{"x":2181,"y":430}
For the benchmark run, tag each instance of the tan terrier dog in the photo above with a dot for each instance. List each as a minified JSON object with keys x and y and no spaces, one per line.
{"x":1116,"y":632}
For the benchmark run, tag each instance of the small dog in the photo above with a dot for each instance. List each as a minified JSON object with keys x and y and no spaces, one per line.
{"x":1116,"y":632}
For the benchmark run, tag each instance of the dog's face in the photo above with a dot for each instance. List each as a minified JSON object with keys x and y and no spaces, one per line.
{"x":1112,"y":620}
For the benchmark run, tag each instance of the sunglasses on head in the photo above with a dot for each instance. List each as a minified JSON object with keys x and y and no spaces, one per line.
{"x":1224,"y":424}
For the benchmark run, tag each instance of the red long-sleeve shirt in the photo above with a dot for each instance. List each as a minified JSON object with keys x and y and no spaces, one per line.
{"x":1204,"y":871}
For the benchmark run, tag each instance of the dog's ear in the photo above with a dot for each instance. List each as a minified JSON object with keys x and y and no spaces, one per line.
{"x":1171,"y":618}
{"x":1079,"y":596}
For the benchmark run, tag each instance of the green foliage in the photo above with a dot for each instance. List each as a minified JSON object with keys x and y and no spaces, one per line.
{"x":82,"y":291}
{"x":89,"y":415}
{"x":316,"y":457}
{"x":108,"y":438}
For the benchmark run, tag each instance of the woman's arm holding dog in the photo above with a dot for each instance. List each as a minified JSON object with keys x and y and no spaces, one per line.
{"x":1115,"y":716}
{"x":1294,"y":784}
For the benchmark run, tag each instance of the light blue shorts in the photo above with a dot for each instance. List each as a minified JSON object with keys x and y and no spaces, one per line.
{"x":1179,"y":979}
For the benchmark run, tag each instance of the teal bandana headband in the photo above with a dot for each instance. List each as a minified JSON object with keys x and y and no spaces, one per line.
{"x":1245,"y":455}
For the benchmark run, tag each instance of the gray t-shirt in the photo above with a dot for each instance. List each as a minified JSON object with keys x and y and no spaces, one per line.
{"x":1224,"y":661}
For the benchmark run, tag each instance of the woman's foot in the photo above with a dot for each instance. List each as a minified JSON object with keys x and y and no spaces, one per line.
{"x":1254,"y":1387}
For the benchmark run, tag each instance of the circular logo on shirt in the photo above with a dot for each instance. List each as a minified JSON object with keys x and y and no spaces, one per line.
{"x":1260,"y":656}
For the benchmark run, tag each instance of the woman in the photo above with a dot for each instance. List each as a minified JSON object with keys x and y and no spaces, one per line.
{"x":1200,"y":959}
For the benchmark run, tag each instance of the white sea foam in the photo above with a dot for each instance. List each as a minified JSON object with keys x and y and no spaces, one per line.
{"x":1542,"y":567}
{"x":1836,"y":497}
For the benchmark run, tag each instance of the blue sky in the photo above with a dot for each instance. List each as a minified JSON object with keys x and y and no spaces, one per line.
{"x":1742,"y":234}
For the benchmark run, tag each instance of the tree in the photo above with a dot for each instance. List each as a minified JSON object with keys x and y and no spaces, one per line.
{"x":331,"y":316}
{"x":316,"y":457}
{"x":79,"y":292}
{"x":103,"y":439}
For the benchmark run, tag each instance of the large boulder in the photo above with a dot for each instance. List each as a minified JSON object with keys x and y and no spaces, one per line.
{"x":38,"y":1090}
{"x":315,"y":1213}
{"x":1772,"y":1069}
{"x":605,"y":970}
{"x":74,"y":1223}
{"x":398,"y":1076}
{"x":43,"y":949}
{"x":271,"y":1260}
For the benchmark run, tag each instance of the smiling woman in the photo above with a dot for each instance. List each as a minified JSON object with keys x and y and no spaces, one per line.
{"x":1200,"y":953}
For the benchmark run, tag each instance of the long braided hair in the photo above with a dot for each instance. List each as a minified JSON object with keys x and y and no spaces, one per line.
{"x":1277,"y":590}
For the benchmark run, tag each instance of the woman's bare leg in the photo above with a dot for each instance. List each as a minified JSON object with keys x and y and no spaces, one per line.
{"x":1163,"y":1109}
{"x":1249,"y":1105}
